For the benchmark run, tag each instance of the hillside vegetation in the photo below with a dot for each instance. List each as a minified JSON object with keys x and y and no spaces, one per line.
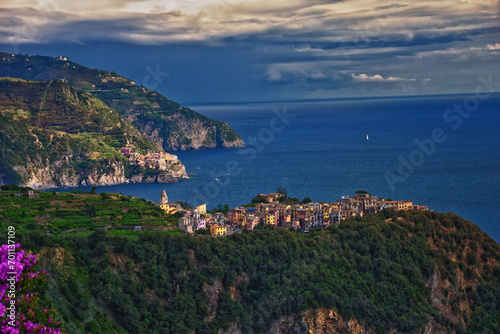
{"x":166,"y":123}
{"x":404,"y":272}
{"x":53,"y":135}
{"x":82,"y":212}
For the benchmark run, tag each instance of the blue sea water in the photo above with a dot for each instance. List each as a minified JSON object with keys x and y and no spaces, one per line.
{"x":321,"y":150}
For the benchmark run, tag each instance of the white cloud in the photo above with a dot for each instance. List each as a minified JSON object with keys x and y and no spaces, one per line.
{"x":377,"y":77}
{"x":493,"y":47}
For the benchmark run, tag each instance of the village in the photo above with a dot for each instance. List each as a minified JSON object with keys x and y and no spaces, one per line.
{"x":275,"y":210}
{"x":161,"y":160}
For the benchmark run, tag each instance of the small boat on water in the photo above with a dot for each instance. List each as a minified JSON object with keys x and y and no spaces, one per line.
{"x":367,"y":138}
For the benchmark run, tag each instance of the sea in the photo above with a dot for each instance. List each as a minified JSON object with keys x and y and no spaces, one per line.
{"x":438,"y":151}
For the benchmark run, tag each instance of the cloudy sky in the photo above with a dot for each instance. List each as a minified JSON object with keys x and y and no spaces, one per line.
{"x":267,"y":50}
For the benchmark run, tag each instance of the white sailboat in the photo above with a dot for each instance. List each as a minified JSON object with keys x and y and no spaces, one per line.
{"x":367,"y":138}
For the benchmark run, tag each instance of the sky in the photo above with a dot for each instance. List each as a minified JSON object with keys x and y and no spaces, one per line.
{"x":225,"y":51}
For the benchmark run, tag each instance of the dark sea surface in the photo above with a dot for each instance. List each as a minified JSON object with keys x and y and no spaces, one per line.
{"x":320,"y":150}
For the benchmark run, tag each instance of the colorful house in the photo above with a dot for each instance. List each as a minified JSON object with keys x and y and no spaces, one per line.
{"x":236,"y":216}
{"x":269,"y":218}
{"x":217,"y":230}
{"x":125,"y":150}
{"x":202,"y":209}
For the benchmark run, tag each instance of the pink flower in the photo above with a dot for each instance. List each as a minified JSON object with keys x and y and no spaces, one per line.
{"x":9,"y":330}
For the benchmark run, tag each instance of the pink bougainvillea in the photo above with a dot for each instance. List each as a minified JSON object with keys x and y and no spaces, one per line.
{"x":19,"y":311}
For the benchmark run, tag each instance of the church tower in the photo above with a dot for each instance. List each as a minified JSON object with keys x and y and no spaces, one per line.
{"x":163,"y":197}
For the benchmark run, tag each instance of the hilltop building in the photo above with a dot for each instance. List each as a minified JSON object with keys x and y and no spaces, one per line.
{"x":169,"y":208}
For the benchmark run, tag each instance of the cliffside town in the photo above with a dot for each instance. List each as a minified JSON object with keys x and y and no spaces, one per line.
{"x":161,"y":160}
{"x":275,"y":210}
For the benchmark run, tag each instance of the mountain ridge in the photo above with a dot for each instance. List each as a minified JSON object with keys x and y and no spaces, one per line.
{"x":52,"y":135}
{"x":166,"y":123}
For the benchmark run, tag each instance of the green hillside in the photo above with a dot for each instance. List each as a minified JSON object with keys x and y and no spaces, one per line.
{"x":403,"y":272}
{"x":57,"y":213}
{"x":166,"y":123}
{"x":54,"y":135}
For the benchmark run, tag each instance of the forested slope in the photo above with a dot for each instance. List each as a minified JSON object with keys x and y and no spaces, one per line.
{"x":406,"y":272}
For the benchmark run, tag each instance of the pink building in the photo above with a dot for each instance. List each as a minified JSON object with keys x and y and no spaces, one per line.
{"x":126,"y":150}
{"x":201,"y":223}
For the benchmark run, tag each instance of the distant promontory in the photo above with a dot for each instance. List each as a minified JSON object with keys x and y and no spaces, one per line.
{"x":65,"y":125}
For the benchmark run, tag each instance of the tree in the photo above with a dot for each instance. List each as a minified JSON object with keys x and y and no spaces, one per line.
{"x":259,"y":199}
{"x":184,"y":205}
{"x":307,"y":200}
{"x":281,"y":190}
{"x":283,"y":199}
{"x":221,"y":208}
{"x":362,"y":192}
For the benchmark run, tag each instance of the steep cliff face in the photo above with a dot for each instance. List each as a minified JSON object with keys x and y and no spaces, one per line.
{"x":212,"y":292}
{"x":64,"y":176}
{"x":179,"y":132}
{"x":173,"y":127}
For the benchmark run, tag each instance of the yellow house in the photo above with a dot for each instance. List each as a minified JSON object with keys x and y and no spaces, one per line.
{"x":269,"y":218}
{"x":170,"y":208}
{"x":326,"y":212}
{"x":201,"y":209}
{"x":405,"y":205}
{"x":218,"y":230}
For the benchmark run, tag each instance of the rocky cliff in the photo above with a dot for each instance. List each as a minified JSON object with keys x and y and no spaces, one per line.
{"x":319,"y":321}
{"x":63,"y":176}
{"x":189,"y":133}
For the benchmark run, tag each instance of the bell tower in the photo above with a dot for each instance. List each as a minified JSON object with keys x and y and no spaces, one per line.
{"x":163,"y":197}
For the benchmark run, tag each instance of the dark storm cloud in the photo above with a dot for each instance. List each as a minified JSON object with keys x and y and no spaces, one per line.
{"x":276,"y":48}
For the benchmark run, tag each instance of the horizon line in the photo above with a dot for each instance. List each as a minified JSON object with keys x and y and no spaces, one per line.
{"x":333,"y":99}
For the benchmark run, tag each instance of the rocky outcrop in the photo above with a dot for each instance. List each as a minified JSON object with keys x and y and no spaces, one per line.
{"x":54,"y":177}
{"x":434,"y":328}
{"x":180,"y":132}
{"x":58,"y":259}
{"x":454,"y":306}
{"x":232,"y":329}
{"x":320,"y":321}
{"x":212,"y":292}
